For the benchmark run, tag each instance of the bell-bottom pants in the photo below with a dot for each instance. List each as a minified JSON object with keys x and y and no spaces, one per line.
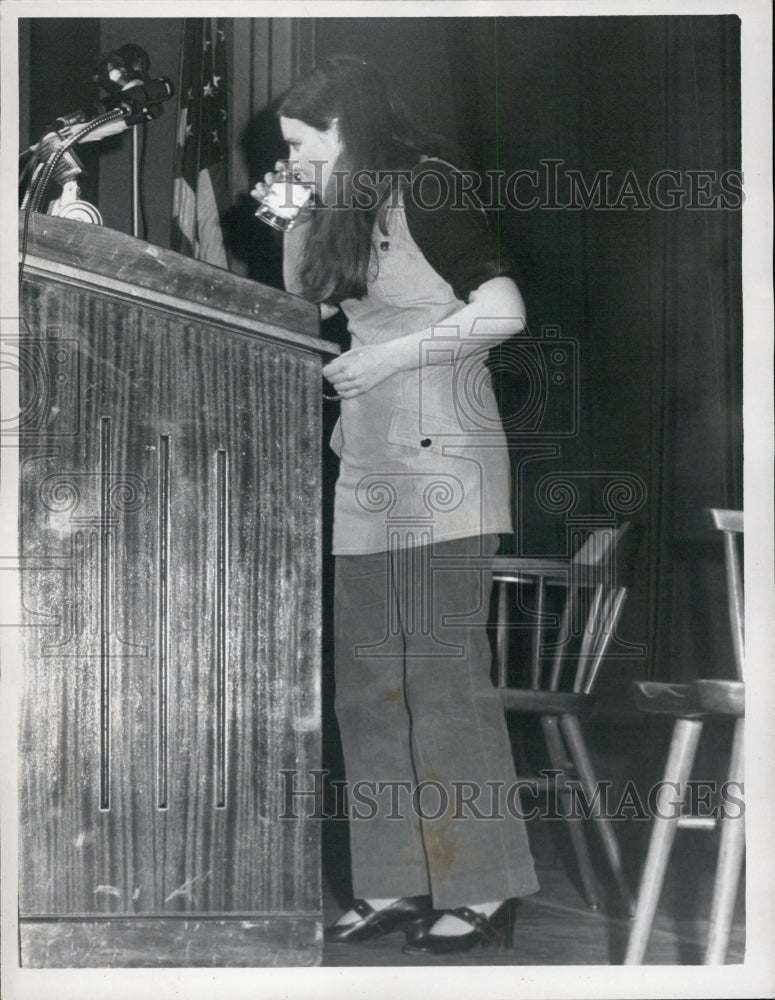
{"x":429,"y":767}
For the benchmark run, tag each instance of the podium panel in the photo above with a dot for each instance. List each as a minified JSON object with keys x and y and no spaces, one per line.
{"x":170,"y":553}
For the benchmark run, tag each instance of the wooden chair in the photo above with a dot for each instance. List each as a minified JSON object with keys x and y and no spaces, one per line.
{"x":593,"y":602}
{"x":692,"y":705}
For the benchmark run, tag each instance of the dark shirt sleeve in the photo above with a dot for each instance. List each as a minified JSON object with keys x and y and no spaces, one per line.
{"x":448,"y":224}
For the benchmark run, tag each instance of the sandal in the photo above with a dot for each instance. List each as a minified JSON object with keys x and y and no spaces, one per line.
{"x":488,"y":932}
{"x":410,"y":914}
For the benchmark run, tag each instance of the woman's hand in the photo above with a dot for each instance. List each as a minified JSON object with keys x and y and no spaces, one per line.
{"x":361,"y":369}
{"x":261,"y":189}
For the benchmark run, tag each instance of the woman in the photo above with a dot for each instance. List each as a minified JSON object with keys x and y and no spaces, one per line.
{"x":421,"y":498}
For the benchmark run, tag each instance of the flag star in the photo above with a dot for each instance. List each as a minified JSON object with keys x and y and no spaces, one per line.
{"x":208,"y":43}
{"x":190,"y":95}
{"x":214,"y":134}
{"x":221,"y":35}
{"x":189,"y":131}
{"x":208,"y":90}
{"x":216,"y":80}
{"x":223,"y":114}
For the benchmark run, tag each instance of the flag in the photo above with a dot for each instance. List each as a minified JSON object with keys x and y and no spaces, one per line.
{"x":200,"y":188}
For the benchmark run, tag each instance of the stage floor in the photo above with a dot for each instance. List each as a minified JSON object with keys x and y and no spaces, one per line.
{"x":556,"y":927}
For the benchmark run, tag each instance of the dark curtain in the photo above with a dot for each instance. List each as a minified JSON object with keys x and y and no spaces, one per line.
{"x":57,"y":61}
{"x":647,"y":295}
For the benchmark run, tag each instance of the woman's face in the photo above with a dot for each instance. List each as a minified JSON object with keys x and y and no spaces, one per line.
{"x":313,"y":153}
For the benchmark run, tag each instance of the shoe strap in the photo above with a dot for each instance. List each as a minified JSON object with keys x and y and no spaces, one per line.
{"x":363,"y":909}
{"x":478,"y":921}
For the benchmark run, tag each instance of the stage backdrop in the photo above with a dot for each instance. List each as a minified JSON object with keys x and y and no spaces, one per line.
{"x":646,"y":298}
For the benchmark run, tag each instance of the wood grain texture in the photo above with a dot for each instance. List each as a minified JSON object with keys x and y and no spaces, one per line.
{"x":163,"y":622}
{"x":130,"y":267}
{"x":171,"y":502}
{"x":141,"y":943}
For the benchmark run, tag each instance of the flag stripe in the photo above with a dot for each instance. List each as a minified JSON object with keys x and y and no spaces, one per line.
{"x":184,"y":209}
{"x":211,"y":246}
{"x":200,"y":191}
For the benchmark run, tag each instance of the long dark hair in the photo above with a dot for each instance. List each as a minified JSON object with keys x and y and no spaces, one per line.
{"x":377,"y":136}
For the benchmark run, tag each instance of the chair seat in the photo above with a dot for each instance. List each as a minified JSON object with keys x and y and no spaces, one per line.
{"x":525,"y":569}
{"x":665,"y":699}
{"x":703,"y":697}
{"x":547,"y":702}
{"x":718,"y":697}
{"x":553,"y":572}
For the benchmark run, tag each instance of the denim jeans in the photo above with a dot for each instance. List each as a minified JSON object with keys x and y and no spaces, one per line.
{"x":423,"y":729}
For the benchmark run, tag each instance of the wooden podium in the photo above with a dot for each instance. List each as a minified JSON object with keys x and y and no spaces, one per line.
{"x":170,"y":555}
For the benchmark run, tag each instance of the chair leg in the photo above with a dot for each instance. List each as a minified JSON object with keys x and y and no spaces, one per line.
{"x":557,"y":757}
{"x":574,"y":737}
{"x":502,"y":637}
{"x":683,"y":749}
{"x":729,"y":865}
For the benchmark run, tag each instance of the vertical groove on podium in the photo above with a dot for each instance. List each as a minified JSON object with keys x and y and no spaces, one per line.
{"x":105,"y":575}
{"x":221,"y":592}
{"x":162,"y":735}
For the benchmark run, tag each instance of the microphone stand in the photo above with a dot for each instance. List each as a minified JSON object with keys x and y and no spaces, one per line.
{"x":45,"y":171}
{"x":40,"y":181}
{"x":144,"y":103}
{"x":136,"y":182}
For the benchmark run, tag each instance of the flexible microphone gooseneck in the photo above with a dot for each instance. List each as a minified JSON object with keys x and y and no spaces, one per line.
{"x":134,"y":98}
{"x":140,"y":101}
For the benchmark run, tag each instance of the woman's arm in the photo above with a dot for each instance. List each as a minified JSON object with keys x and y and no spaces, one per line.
{"x":495,"y":311}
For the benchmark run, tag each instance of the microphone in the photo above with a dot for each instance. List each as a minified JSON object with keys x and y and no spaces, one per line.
{"x":140,"y":101}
